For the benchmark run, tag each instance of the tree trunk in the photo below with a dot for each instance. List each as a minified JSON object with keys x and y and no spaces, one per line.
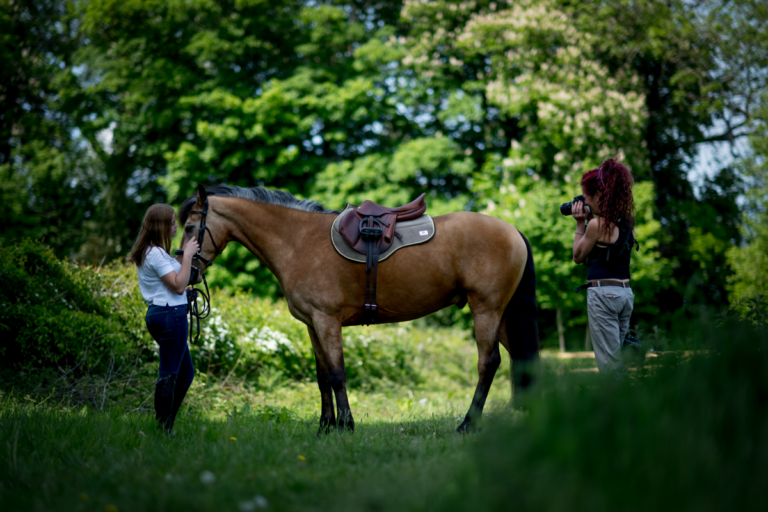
{"x":560,"y":329}
{"x":587,"y":339}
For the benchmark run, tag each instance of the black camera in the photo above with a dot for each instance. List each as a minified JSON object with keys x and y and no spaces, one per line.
{"x":567,"y":208}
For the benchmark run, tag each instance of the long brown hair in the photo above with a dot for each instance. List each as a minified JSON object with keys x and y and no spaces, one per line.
{"x":155,"y":230}
{"x":614,"y":182}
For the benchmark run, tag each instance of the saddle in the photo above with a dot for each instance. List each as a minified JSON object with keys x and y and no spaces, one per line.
{"x":370,"y":229}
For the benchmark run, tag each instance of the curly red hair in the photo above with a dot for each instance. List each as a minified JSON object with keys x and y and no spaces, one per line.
{"x":614,"y":181}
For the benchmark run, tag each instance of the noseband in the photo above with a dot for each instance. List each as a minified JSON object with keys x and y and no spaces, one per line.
{"x":192,"y":295}
{"x":201,"y":236}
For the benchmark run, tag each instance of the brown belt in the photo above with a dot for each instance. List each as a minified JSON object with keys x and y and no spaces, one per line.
{"x":608,"y":282}
{"x":603,"y":282}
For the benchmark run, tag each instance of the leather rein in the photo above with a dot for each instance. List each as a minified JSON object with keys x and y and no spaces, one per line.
{"x":195,"y":313}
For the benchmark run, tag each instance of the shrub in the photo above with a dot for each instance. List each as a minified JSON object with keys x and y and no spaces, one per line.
{"x":54,"y":313}
{"x":246,"y":335}
{"x":60,"y":315}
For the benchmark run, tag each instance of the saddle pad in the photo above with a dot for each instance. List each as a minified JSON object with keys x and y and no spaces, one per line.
{"x":416,"y":231}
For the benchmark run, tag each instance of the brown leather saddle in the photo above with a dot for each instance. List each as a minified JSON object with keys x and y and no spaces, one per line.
{"x":370,"y":229}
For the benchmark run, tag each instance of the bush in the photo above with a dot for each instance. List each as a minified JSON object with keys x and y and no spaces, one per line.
{"x":59,"y":315}
{"x":246,"y":335}
{"x":54,"y":313}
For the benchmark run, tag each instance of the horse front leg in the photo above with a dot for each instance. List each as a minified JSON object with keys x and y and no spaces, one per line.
{"x":327,"y":417}
{"x":328,"y":332}
{"x":488,"y":361}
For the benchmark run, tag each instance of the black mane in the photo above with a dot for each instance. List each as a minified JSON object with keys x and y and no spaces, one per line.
{"x":257,"y":194}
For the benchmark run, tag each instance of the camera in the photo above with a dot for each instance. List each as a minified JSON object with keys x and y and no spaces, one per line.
{"x":567,"y":208}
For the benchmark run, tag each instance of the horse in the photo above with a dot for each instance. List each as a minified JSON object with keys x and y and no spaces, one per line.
{"x":472,"y":258}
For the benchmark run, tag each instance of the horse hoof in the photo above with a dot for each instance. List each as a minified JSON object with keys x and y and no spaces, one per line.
{"x":326,"y":425}
{"x":467,"y":427}
{"x":348,"y":426}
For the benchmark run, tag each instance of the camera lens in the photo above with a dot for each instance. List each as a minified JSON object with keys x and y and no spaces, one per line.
{"x":567,"y":208}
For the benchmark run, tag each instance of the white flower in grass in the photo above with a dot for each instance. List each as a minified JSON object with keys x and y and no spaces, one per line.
{"x":247,"y":506}
{"x":207,"y":477}
{"x":269,"y":340}
{"x":260,"y":501}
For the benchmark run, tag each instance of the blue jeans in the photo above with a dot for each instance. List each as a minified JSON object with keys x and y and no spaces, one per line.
{"x":168,"y":326}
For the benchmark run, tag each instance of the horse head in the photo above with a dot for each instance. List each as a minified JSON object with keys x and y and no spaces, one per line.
{"x":200,"y":220}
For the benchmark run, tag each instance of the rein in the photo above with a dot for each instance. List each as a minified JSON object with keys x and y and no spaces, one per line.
{"x":195,"y":313}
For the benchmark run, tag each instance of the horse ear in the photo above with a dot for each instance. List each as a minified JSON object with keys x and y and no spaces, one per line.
{"x":202,"y":195}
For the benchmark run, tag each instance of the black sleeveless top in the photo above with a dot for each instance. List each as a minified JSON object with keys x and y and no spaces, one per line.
{"x":611,"y":261}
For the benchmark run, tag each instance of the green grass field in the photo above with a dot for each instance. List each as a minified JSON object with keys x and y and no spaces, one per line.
{"x":239,"y":447}
{"x":686,"y":432}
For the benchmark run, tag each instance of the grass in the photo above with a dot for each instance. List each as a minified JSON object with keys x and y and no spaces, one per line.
{"x":687,"y":433}
{"x":57,"y":459}
{"x":256,"y":441}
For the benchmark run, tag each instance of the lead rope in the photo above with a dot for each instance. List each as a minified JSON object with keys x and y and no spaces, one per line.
{"x":192,"y":295}
{"x":194,"y":309}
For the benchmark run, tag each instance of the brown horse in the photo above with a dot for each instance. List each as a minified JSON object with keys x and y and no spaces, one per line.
{"x":472,"y":258}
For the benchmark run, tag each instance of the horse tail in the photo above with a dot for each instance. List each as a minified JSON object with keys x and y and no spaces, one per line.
{"x":522,"y":326}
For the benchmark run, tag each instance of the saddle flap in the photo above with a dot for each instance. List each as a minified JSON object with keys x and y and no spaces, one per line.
{"x":349,"y":226}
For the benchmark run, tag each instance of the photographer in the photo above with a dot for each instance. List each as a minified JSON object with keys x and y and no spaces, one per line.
{"x":605,"y":243}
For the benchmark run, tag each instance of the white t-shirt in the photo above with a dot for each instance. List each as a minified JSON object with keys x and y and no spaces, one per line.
{"x":158,"y":263}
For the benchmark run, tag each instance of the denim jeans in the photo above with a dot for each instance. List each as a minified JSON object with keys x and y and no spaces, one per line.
{"x":609,"y":309}
{"x":168,"y":326}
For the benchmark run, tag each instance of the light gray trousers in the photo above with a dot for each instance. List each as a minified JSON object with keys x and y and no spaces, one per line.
{"x":609,"y":309}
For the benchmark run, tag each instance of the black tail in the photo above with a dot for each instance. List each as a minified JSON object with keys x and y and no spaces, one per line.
{"x":521,"y":317}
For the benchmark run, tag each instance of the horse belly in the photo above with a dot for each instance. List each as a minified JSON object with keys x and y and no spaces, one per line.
{"x":471,"y":253}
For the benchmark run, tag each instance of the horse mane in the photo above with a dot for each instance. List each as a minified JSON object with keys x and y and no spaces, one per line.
{"x":258,"y":194}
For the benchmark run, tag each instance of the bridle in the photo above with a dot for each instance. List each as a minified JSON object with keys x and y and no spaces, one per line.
{"x":192,"y":295}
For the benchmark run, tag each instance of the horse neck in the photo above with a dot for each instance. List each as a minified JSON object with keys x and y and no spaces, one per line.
{"x":269,"y":231}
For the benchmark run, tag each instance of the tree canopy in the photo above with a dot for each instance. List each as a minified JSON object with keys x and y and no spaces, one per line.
{"x":109,"y":106}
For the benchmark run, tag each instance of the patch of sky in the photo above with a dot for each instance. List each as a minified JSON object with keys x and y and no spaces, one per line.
{"x":106,"y":137}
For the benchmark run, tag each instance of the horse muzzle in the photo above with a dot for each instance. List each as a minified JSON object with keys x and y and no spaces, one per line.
{"x":195,"y":273}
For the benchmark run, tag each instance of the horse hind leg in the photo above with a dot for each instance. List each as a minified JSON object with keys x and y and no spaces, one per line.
{"x":519,"y":332}
{"x":488,"y":361}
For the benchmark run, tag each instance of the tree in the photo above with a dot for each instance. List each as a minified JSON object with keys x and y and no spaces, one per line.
{"x":750,"y":260}
{"x":49,"y":182}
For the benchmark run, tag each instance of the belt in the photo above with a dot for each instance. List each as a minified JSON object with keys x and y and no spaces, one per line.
{"x":603,"y":282}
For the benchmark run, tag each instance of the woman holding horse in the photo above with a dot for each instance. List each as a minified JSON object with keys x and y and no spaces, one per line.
{"x":162,"y":281}
{"x":605,"y":244}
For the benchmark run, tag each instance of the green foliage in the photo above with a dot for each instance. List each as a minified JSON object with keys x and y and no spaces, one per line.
{"x":47,"y":194}
{"x":55,"y":314}
{"x":250,"y":335}
{"x":432,"y":165}
{"x":60,"y":315}
{"x":112,"y":106}
{"x":750,"y":260}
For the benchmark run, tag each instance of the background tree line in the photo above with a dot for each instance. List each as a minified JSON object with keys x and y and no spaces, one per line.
{"x":108,"y":106}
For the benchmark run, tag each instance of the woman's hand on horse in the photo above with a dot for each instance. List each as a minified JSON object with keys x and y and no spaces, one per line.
{"x":191,"y":248}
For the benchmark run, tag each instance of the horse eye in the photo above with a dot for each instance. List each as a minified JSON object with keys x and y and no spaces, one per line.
{"x":189,"y":229}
